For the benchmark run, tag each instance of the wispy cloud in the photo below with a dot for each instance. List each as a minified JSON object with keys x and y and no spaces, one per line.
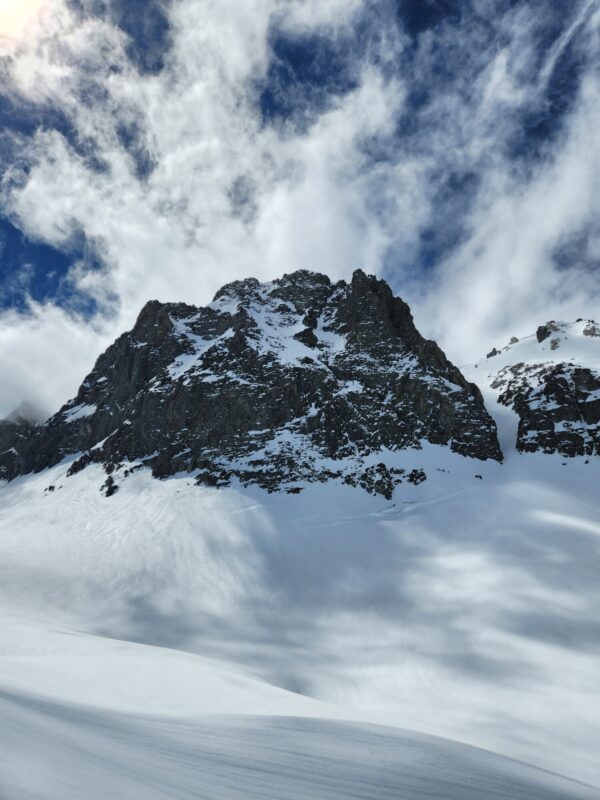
{"x":563,"y":41}
{"x":408,"y":169}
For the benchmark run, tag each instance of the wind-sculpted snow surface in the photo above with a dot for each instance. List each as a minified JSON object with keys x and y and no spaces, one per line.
{"x":83,"y":753}
{"x":273,"y":384}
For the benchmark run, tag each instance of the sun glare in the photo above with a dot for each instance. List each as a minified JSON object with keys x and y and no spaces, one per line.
{"x":15,"y":16}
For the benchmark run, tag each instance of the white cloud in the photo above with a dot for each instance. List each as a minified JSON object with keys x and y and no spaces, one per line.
{"x":564,"y":40}
{"x":229,"y":197}
{"x":45,"y":357}
{"x":503,"y":280}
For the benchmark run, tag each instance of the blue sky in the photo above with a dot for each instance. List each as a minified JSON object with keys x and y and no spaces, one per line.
{"x":154,"y":148}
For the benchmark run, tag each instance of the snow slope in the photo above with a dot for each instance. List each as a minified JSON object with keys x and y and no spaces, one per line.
{"x":466,"y":608}
{"x":173,"y":641}
{"x":81,"y":753}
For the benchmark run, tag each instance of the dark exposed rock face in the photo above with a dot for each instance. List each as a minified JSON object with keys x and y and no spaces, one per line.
{"x":298,"y":379}
{"x":558,"y":407}
{"x":14,"y":440}
{"x":542,"y":333}
{"x":16,"y":430}
{"x":591,"y":329}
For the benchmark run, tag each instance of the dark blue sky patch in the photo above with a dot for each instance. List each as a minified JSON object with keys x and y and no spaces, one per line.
{"x":416,"y":16}
{"x":33,"y":269}
{"x":539,"y":124}
{"x":132,"y":138}
{"x":453,"y":197}
{"x":452,"y":201}
{"x":438,"y":68}
{"x":145,"y":22}
{"x":21,"y":119}
{"x":28,"y":268}
{"x":305,"y":75}
{"x":579,"y":249}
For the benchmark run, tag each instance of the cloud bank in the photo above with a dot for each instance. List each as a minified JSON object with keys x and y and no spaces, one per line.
{"x":456,"y":156}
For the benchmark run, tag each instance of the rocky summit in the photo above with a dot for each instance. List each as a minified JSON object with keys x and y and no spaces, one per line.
{"x":274,"y":384}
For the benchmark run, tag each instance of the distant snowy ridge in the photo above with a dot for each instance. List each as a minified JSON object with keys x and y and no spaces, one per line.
{"x":27,"y":412}
{"x":551,"y":381}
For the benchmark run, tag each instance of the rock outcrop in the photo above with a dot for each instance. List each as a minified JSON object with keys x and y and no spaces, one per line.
{"x":554,"y":387}
{"x":558,"y":407}
{"x":15,"y":438}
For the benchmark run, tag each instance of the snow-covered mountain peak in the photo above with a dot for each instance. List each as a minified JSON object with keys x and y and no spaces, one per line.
{"x":278,"y":383}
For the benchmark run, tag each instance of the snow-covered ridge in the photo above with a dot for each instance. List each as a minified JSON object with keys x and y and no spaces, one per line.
{"x":275,"y":329}
{"x":80,"y":411}
{"x":550,"y":380}
{"x":553,"y":343}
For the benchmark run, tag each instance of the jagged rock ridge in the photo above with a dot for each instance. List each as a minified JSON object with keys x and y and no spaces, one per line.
{"x":274,"y":384}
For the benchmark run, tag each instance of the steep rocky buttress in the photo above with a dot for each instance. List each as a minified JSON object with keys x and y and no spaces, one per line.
{"x":295,"y":380}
